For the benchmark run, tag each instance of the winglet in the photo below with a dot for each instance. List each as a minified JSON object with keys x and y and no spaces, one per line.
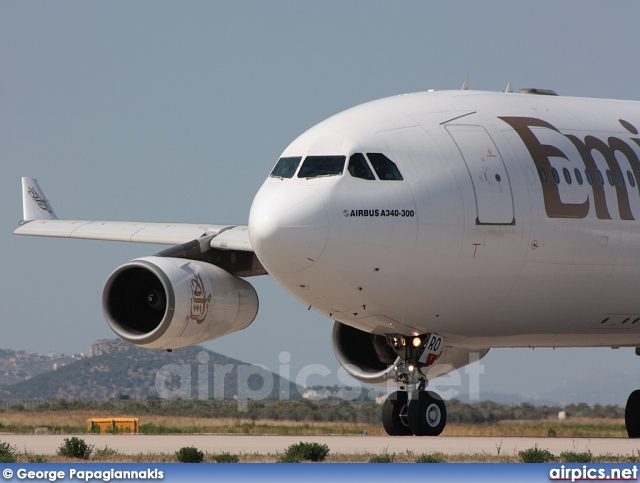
{"x":35,"y":205}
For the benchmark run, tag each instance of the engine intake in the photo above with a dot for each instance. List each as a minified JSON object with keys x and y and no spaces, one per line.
{"x":167,"y":303}
{"x":366,"y":357}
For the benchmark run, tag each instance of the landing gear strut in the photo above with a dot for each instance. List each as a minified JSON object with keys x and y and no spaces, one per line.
{"x":415,"y":411}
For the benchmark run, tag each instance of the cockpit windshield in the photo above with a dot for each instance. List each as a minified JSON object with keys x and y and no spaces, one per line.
{"x":286,"y":167}
{"x":358,"y":167}
{"x":384,"y":167}
{"x":316,"y":166}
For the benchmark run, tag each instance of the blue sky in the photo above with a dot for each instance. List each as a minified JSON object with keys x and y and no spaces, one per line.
{"x":176,"y":111}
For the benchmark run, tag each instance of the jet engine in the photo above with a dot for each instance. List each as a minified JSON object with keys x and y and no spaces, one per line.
{"x":371,"y":359}
{"x":167,"y":303}
{"x":366,"y":357}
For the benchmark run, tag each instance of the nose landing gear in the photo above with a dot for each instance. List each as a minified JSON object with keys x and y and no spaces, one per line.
{"x":415,"y":411}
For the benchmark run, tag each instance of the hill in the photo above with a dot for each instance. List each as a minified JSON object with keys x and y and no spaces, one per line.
{"x":117,"y":369}
{"x":18,"y":366}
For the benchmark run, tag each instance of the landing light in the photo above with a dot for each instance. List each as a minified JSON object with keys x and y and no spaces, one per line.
{"x":417,"y":341}
{"x":411,"y":368}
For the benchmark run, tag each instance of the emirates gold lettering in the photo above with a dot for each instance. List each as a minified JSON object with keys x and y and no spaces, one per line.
{"x":586,"y":146}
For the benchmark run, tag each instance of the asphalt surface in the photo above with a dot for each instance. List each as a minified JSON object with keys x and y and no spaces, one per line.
{"x":135,"y":444}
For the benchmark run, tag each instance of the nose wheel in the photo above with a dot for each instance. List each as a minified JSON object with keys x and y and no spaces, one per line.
{"x":427,"y":414}
{"x":395,"y":414}
{"x":423,"y":415}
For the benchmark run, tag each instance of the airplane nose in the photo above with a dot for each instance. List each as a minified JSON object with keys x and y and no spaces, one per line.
{"x":288,"y":227}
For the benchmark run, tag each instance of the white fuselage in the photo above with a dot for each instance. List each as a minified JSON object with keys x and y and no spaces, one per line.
{"x":471,"y":244}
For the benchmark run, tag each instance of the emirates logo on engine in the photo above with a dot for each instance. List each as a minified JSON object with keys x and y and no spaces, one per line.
{"x":200,"y":300}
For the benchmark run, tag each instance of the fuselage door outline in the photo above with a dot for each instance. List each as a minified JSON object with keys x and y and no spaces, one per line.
{"x":489,"y":176}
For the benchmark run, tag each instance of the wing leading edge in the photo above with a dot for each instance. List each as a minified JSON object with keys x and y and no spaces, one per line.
{"x":40,"y":220}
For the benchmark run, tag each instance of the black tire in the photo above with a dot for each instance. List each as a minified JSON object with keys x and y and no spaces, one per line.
{"x":427,"y":414}
{"x":394,"y":414}
{"x":632,"y":415}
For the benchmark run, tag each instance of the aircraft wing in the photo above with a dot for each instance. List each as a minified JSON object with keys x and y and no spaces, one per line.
{"x":40,"y":220}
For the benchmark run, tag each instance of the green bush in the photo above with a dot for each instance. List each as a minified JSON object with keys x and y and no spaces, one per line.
{"x":285,"y":458}
{"x":573,"y":457}
{"x":226,"y":458}
{"x":106,"y":452}
{"x":383,"y":458}
{"x":75,"y":448}
{"x":7,"y":453}
{"x":37,"y":459}
{"x":428,"y":458}
{"x":306,"y":452}
{"x":189,"y":454}
{"x":536,"y":455}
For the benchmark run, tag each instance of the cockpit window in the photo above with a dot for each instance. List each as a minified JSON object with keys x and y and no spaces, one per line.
{"x":286,"y":167}
{"x":315,"y":166}
{"x":359,"y":168}
{"x":385,"y":168}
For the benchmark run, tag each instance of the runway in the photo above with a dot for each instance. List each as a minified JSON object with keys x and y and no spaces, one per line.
{"x":145,"y":444}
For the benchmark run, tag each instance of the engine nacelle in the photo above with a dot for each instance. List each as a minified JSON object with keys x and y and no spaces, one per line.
{"x":366,"y":357}
{"x":167,"y":303}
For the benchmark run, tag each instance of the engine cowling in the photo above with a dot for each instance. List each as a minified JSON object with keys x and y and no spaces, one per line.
{"x":366,"y":357}
{"x":167,"y":303}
